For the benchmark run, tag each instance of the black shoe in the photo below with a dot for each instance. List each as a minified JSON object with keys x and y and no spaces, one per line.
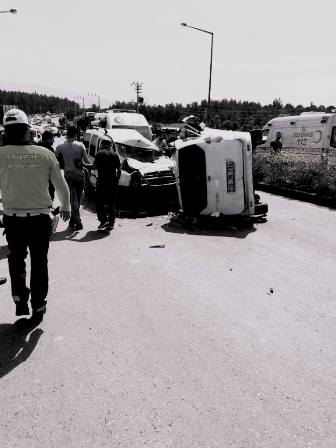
{"x":78,"y":226}
{"x":22,"y":308}
{"x":37,"y":315}
{"x":103,"y":224}
{"x":2,"y":280}
{"x":34,"y":321}
{"x":110,"y":226}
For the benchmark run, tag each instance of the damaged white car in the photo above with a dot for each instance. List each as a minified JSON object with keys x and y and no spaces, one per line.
{"x":143,"y":167}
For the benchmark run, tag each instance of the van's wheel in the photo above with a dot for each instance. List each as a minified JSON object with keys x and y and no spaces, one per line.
{"x":260,"y":209}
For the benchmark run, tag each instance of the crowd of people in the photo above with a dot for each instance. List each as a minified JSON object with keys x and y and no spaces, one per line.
{"x":30,"y":174}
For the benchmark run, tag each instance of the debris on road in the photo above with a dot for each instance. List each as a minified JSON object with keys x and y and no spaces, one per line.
{"x":157,"y":246}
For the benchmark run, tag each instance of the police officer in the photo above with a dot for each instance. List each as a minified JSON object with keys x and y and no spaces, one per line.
{"x":25,"y":170}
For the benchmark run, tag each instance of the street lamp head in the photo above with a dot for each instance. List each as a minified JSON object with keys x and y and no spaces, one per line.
{"x":183,"y":24}
{"x":13,"y":11}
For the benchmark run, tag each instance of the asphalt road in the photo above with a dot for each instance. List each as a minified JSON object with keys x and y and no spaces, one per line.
{"x":221,"y":338}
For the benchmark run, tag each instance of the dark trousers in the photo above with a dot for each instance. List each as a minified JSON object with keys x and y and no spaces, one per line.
{"x":31,"y":233}
{"x":76,"y":185}
{"x":105,"y":201}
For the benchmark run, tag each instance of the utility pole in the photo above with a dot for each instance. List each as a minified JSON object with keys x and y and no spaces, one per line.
{"x":138,"y":89}
{"x":98,"y":97}
{"x":82,"y":98}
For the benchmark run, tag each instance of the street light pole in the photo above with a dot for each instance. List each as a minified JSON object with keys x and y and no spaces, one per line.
{"x":82,"y":98}
{"x":210,"y":75}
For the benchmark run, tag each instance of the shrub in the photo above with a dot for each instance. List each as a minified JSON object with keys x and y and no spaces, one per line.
{"x":297,"y":171}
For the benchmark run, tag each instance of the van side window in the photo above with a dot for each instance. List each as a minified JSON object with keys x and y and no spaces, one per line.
{"x":93,"y":145}
{"x":333,"y":137}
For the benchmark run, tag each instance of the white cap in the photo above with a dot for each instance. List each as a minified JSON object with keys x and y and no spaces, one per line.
{"x":15,"y":116}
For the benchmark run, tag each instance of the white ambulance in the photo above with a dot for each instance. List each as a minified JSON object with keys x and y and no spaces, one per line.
{"x":311,"y":133}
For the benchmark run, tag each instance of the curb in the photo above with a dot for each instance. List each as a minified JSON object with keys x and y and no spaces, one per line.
{"x":312,"y":198}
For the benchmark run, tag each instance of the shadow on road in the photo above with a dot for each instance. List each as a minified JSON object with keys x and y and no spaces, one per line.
{"x":210,"y":228}
{"x":125,"y":210}
{"x":69,"y":234}
{"x":16,"y":344}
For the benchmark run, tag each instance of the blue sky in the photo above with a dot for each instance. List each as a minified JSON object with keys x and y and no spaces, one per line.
{"x":262,"y":49}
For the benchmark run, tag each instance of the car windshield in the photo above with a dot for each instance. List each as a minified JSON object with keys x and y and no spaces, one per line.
{"x":143,"y":130}
{"x":140,"y":154}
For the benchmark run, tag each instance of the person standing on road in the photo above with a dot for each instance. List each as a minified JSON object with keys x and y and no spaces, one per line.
{"x":25,"y":170}
{"x":107,"y":164}
{"x":70,"y":156}
{"x":47,"y":142}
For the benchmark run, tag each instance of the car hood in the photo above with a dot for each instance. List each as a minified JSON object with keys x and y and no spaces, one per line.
{"x":161,"y":164}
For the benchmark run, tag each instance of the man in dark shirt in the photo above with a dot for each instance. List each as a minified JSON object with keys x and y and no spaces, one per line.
{"x":107,"y":164}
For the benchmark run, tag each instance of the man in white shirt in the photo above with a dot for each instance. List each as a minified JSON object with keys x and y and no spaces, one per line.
{"x":71,"y":155}
{"x":25,"y":170}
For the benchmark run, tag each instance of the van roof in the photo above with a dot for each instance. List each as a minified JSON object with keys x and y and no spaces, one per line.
{"x":123,"y":118}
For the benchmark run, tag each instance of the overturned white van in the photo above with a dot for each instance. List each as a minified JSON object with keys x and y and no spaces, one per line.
{"x":214,"y":175}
